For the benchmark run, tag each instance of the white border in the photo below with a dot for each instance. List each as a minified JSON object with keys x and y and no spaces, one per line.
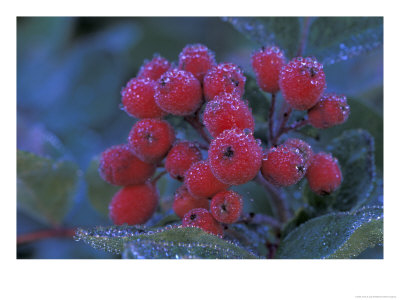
{"x":83,"y":279}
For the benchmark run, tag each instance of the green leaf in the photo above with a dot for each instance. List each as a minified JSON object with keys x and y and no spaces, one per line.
{"x":336,"y":39}
{"x":283,"y":32}
{"x":99,"y":191}
{"x":140,"y":242}
{"x":336,"y":235}
{"x":45,"y":187}
{"x":361,"y":116}
{"x":354,"y":150}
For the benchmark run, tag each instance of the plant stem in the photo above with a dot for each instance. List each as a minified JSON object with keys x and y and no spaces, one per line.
{"x":196,"y":124}
{"x":295,"y":126}
{"x":270,"y":117}
{"x":304,"y":36}
{"x":161,"y":174}
{"x":260,"y":219}
{"x":43,"y":234}
{"x":278,"y":203}
{"x":282,"y":126}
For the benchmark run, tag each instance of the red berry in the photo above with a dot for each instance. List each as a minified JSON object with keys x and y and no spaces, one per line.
{"x":138,"y":99}
{"x":302,"y":82}
{"x":267,"y":63}
{"x":305,"y":149}
{"x":329,"y":111}
{"x":134,"y":204}
{"x":226,"y":207}
{"x":201,"y":218}
{"x":154,"y":68}
{"x":119,"y":166}
{"x":235,"y":156}
{"x":179,"y":159}
{"x":221,"y":78}
{"x":196,"y":59}
{"x":150,"y":139}
{"x":227,"y":111}
{"x":201,"y":182}
{"x":283,"y":166}
{"x":324,"y":175}
{"x":184,"y":201}
{"x":178,"y":92}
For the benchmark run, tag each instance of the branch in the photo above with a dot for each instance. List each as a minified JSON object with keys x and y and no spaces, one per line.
{"x":279,"y":204}
{"x":296,"y":125}
{"x":260,"y":219}
{"x":196,"y":124}
{"x":270,"y":117}
{"x":286,"y":116}
{"x":43,"y":234}
{"x":161,"y":174}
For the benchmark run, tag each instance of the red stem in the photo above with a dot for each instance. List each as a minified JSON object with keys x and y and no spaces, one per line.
{"x":279,"y":204}
{"x":43,"y":234}
{"x":282,"y":126}
{"x":196,"y":124}
{"x":270,"y":117}
{"x":161,"y":174}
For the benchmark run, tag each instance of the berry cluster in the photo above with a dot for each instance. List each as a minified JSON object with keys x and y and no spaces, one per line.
{"x":234,"y":156}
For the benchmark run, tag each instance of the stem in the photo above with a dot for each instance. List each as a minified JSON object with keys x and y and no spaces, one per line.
{"x":196,"y":124}
{"x":161,"y":174}
{"x":295,"y":126}
{"x":270,"y":117}
{"x":304,"y":36}
{"x":278,"y":203}
{"x":282,"y":126}
{"x":43,"y":234}
{"x":252,"y":218}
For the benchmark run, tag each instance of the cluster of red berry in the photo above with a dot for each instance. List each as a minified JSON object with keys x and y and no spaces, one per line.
{"x":234,"y":155}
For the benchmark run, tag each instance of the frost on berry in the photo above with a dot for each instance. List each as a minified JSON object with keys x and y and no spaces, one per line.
{"x":178,"y":92}
{"x":201,"y":218}
{"x":226,"y":207}
{"x":184,"y":201}
{"x":304,"y":149}
{"x":329,"y":111}
{"x":302,"y":82}
{"x":235,"y":156}
{"x":196,"y":59}
{"x":138,"y":99}
{"x":227,"y":111}
{"x":119,"y":166}
{"x":324,"y":175}
{"x":179,"y":159}
{"x":151,"y":139}
{"x":154,"y":68}
{"x":134,"y":204}
{"x":267,"y":63}
{"x":225,"y":77}
{"x":201,"y":182}
{"x":283,"y":165}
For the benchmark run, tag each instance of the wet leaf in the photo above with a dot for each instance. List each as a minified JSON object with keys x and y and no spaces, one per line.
{"x":334,"y":39}
{"x":354,"y":150}
{"x":283,"y":32}
{"x":336,"y":235}
{"x":140,"y":242}
{"x":100,"y":192}
{"x":45,"y":187}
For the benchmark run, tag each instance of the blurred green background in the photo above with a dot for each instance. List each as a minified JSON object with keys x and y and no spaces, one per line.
{"x":69,"y":75}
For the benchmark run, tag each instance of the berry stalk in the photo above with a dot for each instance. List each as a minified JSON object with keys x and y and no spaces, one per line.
{"x":279,"y":204}
{"x":271,"y":116}
{"x":198,"y":126}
